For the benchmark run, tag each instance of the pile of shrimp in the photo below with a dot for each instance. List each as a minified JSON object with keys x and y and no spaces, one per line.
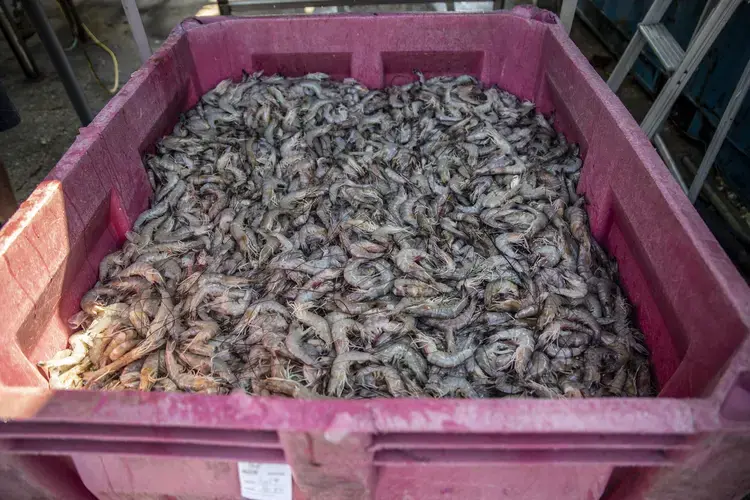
{"x":314,"y":238}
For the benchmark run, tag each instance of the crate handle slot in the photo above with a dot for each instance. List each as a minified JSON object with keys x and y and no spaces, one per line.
{"x":27,"y":446}
{"x":403,"y":442}
{"x":109,"y":433}
{"x":428,"y":457}
{"x":736,"y":405}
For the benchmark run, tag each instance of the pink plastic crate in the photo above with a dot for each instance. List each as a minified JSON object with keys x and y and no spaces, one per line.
{"x":692,"y":305}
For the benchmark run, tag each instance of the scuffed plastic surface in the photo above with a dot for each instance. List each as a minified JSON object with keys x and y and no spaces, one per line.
{"x":690,"y":301}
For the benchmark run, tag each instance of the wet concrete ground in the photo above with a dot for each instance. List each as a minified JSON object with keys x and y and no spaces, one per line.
{"x":48,"y":123}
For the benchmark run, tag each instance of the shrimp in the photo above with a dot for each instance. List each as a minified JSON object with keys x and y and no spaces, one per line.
{"x":367,"y":250}
{"x":524,"y":340}
{"x":143,"y":270}
{"x":497,"y":319}
{"x":571,"y":386}
{"x":377,"y":283}
{"x":121,"y":349}
{"x":390,"y":375}
{"x":80,"y":343}
{"x":603,"y":287}
{"x":439,"y":309}
{"x":289,"y":388}
{"x":150,"y":344}
{"x":494,"y":357}
{"x":340,"y":369}
{"x":593,"y":359}
{"x":165,"y":385}
{"x":157,"y":211}
{"x":132,"y":284}
{"x":222,"y":373}
{"x":340,"y":331}
{"x":200,"y":331}
{"x":452,"y":385}
{"x":550,"y":309}
{"x":552,"y":332}
{"x":131,"y":374}
{"x":539,"y":366}
{"x":119,"y":338}
{"x":91,"y":302}
{"x":415,"y":288}
{"x":617,"y":385}
{"x":374,"y":291}
{"x":384,"y":234}
{"x":577,"y":218}
{"x":319,"y":285}
{"x":318,"y":324}
{"x":200,"y":364}
{"x":575,"y":287}
{"x":186,"y":381}
{"x":408,"y":259}
{"x":400,"y":352}
{"x":141,"y":311}
{"x":293,"y":342}
{"x":262,"y":306}
{"x":70,"y":378}
{"x":643,"y":383}
{"x":150,"y":371}
{"x":505,"y":384}
{"x":311,"y":236}
{"x":450,"y":326}
{"x":442,"y":358}
{"x":506,"y":243}
{"x":543,"y":390}
{"x":586,"y":318}
{"x":379,"y":327}
{"x":196,"y":383}
{"x":100,"y":341}
{"x":557,"y":351}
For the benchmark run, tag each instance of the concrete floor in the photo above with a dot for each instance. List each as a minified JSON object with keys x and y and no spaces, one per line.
{"x":49,"y":124}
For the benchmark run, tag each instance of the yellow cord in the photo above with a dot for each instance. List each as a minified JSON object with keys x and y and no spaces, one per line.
{"x":100,"y":45}
{"x":111,"y":54}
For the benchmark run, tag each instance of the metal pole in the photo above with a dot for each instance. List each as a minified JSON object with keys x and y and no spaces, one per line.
{"x":661,"y":147}
{"x":17,"y":44}
{"x":704,"y":14}
{"x":74,"y":20}
{"x":224,"y":8}
{"x":57,"y":55}
{"x":136,"y":27}
{"x":568,"y":13}
{"x":727,"y":119}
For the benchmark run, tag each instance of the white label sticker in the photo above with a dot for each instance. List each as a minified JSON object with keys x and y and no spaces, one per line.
{"x":265,"y":481}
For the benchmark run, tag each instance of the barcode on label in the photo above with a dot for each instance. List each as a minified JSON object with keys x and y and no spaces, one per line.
{"x":265,"y":481}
